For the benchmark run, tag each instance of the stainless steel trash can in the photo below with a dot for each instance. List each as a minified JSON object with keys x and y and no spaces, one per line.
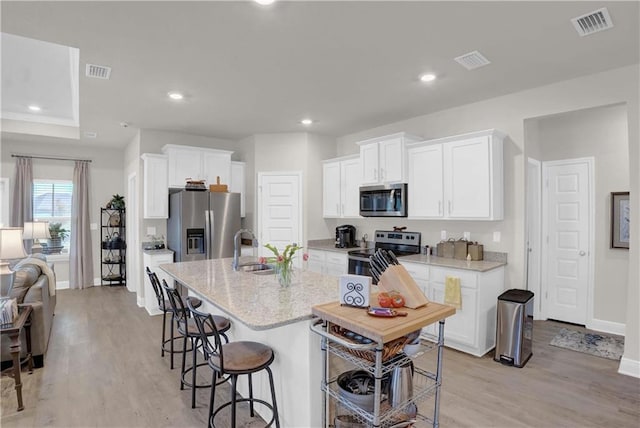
{"x":514,"y":329}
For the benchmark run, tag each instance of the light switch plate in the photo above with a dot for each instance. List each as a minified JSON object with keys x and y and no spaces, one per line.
{"x":496,"y":236}
{"x":93,"y":226}
{"x":443,"y":234}
{"x":355,"y":290}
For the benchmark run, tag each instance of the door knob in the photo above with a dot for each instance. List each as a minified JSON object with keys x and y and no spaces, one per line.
{"x":582,"y":253}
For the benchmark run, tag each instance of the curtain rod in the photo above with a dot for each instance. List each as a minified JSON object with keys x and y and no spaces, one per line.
{"x":50,"y":158}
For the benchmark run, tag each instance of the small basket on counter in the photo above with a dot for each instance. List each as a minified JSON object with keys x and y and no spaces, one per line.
{"x":389,"y":350}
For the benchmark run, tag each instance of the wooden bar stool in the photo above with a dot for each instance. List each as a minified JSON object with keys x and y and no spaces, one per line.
{"x":166,"y":308}
{"x":234,"y":359}
{"x":189,"y":330}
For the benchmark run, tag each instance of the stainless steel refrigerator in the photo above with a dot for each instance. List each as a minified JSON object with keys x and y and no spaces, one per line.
{"x":201,"y":224}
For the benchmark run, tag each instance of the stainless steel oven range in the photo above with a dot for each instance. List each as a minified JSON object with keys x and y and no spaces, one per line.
{"x":401,"y":243}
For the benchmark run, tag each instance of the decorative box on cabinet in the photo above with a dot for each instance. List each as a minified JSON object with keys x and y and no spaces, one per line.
{"x":155,"y":186}
{"x":113,"y":248}
{"x":197,"y":163}
{"x":473,"y":328}
{"x":152,"y":259}
{"x":341,"y":184}
{"x":383,"y":158}
{"x":458,"y":177}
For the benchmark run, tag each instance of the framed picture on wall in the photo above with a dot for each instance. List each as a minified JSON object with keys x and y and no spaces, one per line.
{"x":620,"y":211}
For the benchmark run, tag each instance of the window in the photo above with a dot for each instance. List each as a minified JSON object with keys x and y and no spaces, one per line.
{"x":52,"y":203}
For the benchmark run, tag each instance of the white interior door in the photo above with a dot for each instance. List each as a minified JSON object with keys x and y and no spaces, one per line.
{"x":279,"y":211}
{"x":568,"y":213}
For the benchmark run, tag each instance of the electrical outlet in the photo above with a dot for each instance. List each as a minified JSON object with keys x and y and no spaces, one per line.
{"x":496,"y":236}
{"x":467,"y":236}
{"x":443,"y":234}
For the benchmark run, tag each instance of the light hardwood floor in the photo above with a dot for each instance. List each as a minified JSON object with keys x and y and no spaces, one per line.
{"x":103,"y":369}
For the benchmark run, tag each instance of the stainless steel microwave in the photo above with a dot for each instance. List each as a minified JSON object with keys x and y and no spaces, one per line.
{"x":384,"y":201}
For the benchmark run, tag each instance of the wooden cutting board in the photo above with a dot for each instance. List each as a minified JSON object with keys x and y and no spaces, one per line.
{"x":381,"y":329}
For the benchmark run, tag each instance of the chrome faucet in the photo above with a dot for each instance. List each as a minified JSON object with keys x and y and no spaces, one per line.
{"x":236,"y":246}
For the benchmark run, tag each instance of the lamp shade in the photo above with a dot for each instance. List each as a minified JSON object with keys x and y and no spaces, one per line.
{"x":36,"y":230}
{"x":11,"y":246}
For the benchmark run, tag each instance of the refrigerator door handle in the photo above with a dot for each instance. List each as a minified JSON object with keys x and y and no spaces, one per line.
{"x":207,"y":233}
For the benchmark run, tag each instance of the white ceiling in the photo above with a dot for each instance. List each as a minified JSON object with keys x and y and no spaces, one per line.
{"x":351,"y":66}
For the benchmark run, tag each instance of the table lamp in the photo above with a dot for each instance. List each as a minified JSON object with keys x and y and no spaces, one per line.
{"x":11,"y":247}
{"x":36,"y":230}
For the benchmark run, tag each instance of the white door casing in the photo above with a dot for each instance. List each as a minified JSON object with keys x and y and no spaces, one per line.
{"x":568,"y":228}
{"x":279,"y":216}
{"x":534,"y":240}
{"x":134,"y":275}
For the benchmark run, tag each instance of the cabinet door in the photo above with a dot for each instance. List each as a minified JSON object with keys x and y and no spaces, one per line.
{"x":216,"y":165}
{"x":184,"y":164}
{"x":391,"y":161}
{"x":468,"y":178}
{"x":237,"y":183}
{"x":369,"y":163}
{"x":315,"y":262}
{"x":425,"y":181}
{"x":155,"y":187}
{"x":350,"y":188}
{"x":331,"y":189}
{"x":461,"y":327}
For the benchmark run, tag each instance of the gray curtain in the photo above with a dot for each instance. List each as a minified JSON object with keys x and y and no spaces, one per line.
{"x":81,"y":258}
{"x":22,"y":206}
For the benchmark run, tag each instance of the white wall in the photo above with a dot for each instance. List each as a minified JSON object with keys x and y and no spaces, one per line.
{"x":603,"y":134}
{"x":508,"y":114}
{"x":106,"y":179}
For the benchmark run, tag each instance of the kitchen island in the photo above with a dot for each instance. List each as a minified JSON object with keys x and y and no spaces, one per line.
{"x":261,"y":310}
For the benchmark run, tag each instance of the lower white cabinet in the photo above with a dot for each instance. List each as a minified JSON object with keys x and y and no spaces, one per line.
{"x":473,"y":328}
{"x":327,"y":262}
{"x":420,"y":273}
{"x":153,"y":260}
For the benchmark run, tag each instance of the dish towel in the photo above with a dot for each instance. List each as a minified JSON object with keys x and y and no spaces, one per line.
{"x":452,"y":295}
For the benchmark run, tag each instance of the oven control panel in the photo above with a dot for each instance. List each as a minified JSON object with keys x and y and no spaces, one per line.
{"x":393,"y":237}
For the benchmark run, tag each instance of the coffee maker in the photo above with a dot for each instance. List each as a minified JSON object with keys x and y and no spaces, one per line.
{"x":345,"y":236}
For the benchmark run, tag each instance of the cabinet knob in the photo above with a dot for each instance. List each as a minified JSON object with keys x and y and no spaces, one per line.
{"x":582,"y":253}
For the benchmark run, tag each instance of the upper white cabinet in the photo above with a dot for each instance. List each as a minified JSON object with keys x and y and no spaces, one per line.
{"x":156,"y":189}
{"x":237,"y":183}
{"x":383,"y":158}
{"x":459,"y":177}
{"x":197,"y":163}
{"x":341,"y":183}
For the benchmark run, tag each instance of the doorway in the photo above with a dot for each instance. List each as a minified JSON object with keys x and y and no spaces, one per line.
{"x":533,"y":239}
{"x":133,"y":263}
{"x":568,"y":236}
{"x":279,"y":216}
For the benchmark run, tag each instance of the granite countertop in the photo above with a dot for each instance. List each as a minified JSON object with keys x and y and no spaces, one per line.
{"x":479,"y":266}
{"x":329,"y":245}
{"x":258,"y":301}
{"x":157,"y":252}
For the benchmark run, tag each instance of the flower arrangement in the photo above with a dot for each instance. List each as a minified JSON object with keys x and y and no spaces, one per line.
{"x":283,"y":262}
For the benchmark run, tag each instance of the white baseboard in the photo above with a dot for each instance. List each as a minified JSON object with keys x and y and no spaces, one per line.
{"x":629,"y":367}
{"x":140,"y":301}
{"x":97,"y":282}
{"x":607,"y":326}
{"x":62,"y":285}
{"x":154,"y":311}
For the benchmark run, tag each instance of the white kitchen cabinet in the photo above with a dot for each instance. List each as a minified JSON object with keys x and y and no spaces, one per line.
{"x":340,"y":190}
{"x":473,"y":328}
{"x":155,"y":186}
{"x":420,"y":273}
{"x":327,"y":262}
{"x":426,"y":188}
{"x":153,"y":259}
{"x":197,"y":163}
{"x":467,"y":183}
{"x":237,"y":184}
{"x":383,"y":159}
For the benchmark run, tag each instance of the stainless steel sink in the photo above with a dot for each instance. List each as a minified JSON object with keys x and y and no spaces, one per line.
{"x":257,"y":268}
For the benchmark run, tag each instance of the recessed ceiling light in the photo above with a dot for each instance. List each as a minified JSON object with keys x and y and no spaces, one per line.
{"x":264,"y":2}
{"x":306,"y":122}
{"x":428,"y":77}
{"x":34,"y":108}
{"x":175,"y":95}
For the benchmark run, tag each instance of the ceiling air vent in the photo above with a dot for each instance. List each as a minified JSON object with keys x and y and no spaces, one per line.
{"x":593,"y":22}
{"x":472,"y":60}
{"x":98,"y":71}
{"x":90,"y":134}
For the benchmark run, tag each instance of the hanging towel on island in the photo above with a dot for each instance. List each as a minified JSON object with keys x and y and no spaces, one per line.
{"x":452,"y":295}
